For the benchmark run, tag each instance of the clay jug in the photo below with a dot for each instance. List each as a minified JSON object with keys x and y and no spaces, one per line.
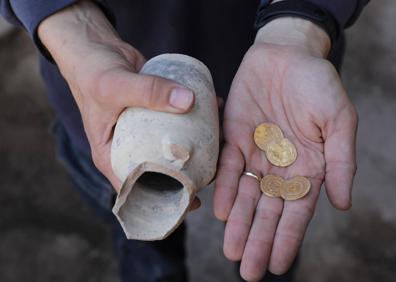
{"x":164,"y":159}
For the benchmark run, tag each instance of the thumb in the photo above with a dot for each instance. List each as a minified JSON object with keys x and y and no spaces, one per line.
{"x":340,"y":159}
{"x":152,"y":92}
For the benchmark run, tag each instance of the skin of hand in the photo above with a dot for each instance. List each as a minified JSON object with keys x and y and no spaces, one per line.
{"x":102,"y":73}
{"x":284,"y":79}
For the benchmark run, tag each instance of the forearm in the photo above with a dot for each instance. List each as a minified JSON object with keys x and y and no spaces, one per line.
{"x":73,"y":33}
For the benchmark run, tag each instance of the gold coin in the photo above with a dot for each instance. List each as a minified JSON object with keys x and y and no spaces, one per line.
{"x":265,"y":133}
{"x":271,"y":184}
{"x":295,"y":188}
{"x":281,"y":152}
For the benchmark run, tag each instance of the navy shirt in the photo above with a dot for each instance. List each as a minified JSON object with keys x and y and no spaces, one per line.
{"x":195,"y":28}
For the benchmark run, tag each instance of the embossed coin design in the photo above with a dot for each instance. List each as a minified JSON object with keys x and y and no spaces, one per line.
{"x":295,"y":188}
{"x":265,"y":133}
{"x":281,"y":152}
{"x":271,"y":185}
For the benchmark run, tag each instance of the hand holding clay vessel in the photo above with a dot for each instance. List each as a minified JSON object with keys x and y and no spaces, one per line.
{"x":163,"y":159}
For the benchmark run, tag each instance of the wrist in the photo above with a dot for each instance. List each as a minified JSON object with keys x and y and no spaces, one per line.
{"x":71,"y":34}
{"x":297,"y":33}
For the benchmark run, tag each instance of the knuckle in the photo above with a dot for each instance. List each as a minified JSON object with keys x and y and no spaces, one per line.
{"x":268,"y":214}
{"x":229,"y":166}
{"x":149,"y":95}
{"x":303,"y":211}
{"x":263,"y":241}
{"x":290,"y":237}
{"x":239,"y":220}
{"x":228,"y":163}
{"x":249,"y":195}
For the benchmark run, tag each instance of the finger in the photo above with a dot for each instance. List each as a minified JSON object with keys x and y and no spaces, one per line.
{"x":196,"y":204}
{"x":340,"y":157}
{"x":115,"y":182}
{"x":240,"y":219}
{"x":152,"y":92}
{"x":290,"y":232}
{"x":101,"y":159}
{"x":257,"y":252}
{"x":229,"y":170}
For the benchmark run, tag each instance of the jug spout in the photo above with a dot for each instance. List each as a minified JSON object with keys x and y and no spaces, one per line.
{"x":153,"y":202}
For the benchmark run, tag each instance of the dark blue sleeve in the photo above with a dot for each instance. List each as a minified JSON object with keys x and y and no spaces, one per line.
{"x":7,"y":13}
{"x":344,"y":11}
{"x":29,"y":14}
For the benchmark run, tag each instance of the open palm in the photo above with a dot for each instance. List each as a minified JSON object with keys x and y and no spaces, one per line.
{"x":304,"y":96}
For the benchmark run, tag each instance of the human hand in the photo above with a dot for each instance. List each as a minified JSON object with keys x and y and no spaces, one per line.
{"x":283,"y":79}
{"x":102,"y":73}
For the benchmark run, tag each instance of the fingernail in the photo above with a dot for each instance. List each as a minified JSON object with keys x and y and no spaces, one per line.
{"x":181,"y":98}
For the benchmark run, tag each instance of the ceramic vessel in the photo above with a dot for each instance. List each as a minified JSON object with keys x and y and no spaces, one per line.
{"x":163,"y":159}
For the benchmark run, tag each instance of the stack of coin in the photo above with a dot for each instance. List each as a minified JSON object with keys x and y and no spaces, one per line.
{"x":292,"y":189}
{"x":278,"y":149}
{"x":280,"y":152}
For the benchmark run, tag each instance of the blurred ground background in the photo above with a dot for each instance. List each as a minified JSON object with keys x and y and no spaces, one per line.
{"x":47,"y":234}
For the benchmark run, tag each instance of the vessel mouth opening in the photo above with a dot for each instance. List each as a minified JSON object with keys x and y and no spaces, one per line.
{"x":159,"y":182}
{"x":155,"y":204}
